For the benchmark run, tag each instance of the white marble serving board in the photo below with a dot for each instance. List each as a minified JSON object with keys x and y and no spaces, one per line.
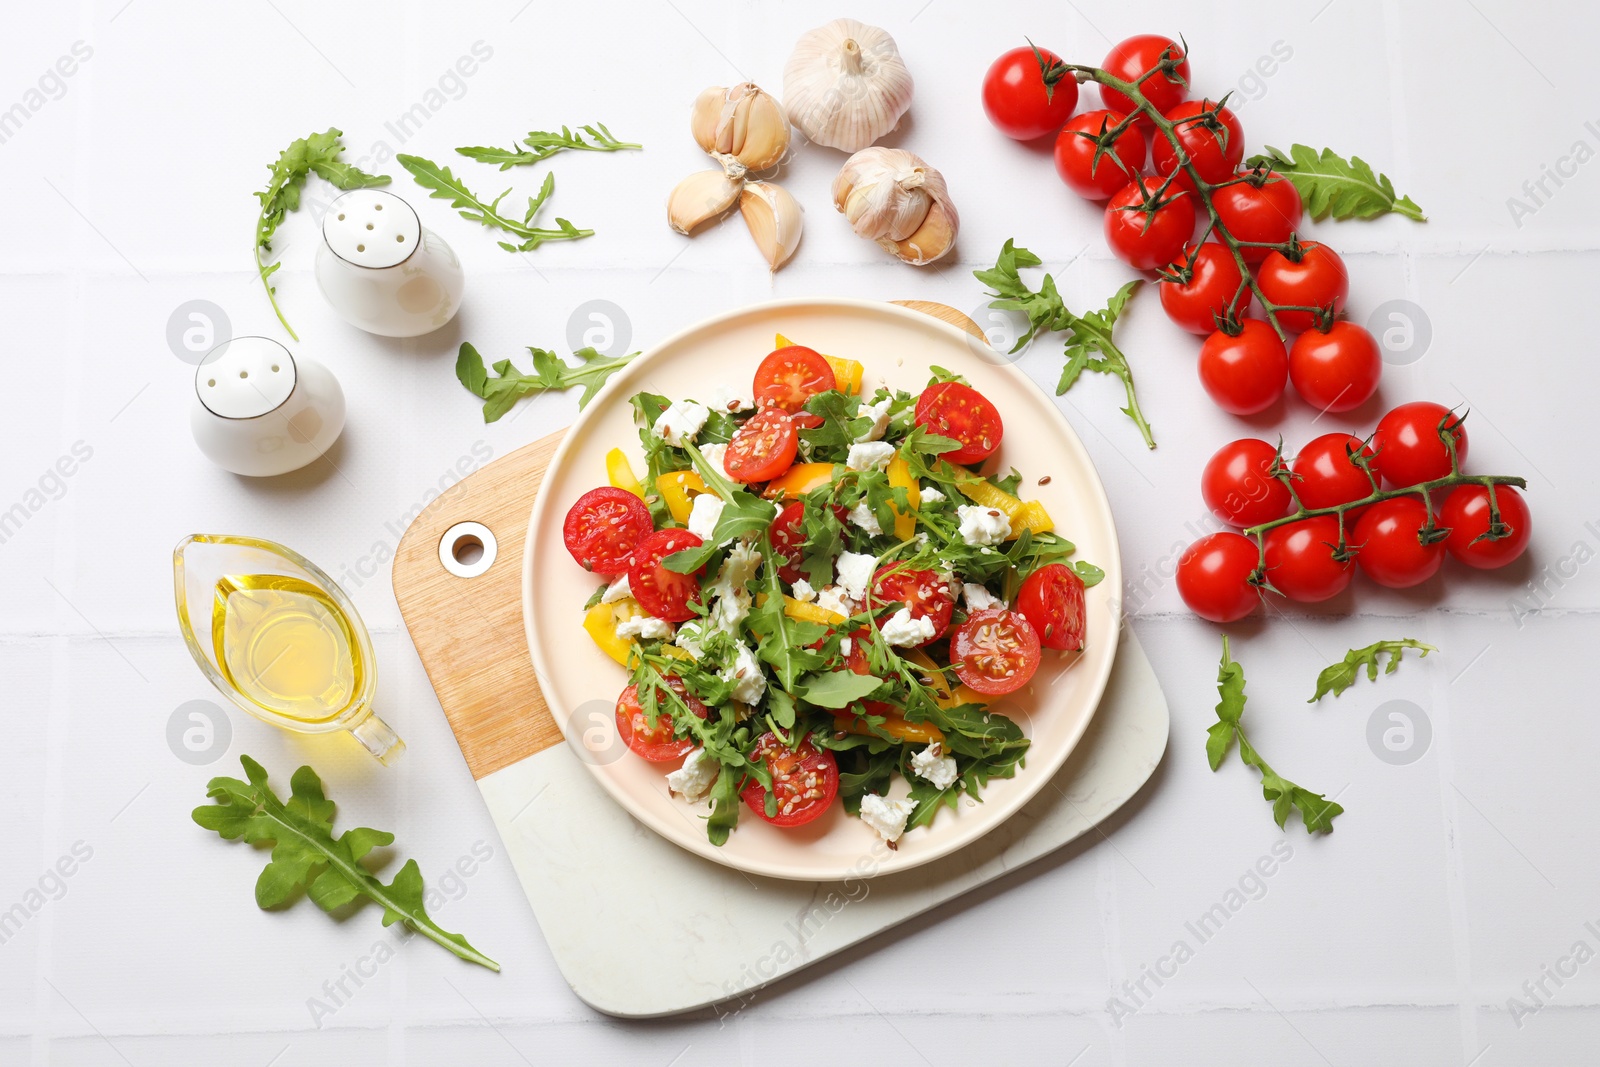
{"x":641,"y":928}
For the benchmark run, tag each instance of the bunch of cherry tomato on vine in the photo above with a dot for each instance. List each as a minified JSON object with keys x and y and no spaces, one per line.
{"x":1151,"y":224}
{"x":1151,"y":220}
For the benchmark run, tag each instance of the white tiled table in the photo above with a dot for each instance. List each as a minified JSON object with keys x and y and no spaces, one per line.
{"x":1450,"y":882}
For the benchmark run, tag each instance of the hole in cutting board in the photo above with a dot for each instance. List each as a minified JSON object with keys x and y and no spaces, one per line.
{"x":467,"y":549}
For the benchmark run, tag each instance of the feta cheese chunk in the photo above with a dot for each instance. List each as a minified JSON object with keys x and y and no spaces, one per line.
{"x":699,"y":772}
{"x":940,"y":770}
{"x":854,"y":571}
{"x":703,"y":515}
{"x":690,"y":634}
{"x":978,"y":597}
{"x":903,"y":630}
{"x":715,"y":453}
{"x":832,"y":598}
{"x":845,"y":645}
{"x":869,"y":456}
{"x":879,"y":414}
{"x":931,"y":496}
{"x":680,"y":422}
{"x":730,"y":398}
{"x":861,"y":516}
{"x":803,"y":592}
{"x":886,"y":816}
{"x":745,"y":676}
{"x":983,"y":526}
{"x":730,"y":599}
{"x":646,"y":626}
{"x":617,"y":590}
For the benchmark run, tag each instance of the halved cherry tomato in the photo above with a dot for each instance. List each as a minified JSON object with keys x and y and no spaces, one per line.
{"x":924,"y":594}
{"x":1091,"y":178}
{"x":1264,"y":214}
{"x":1324,"y":475}
{"x":951,"y":409}
{"x":604,"y":527}
{"x":995,"y":651}
{"x":1408,"y":446}
{"x":1215,"y":288}
{"x":1051,"y":598}
{"x":656,"y":744}
{"x":1213,"y":153}
{"x":788,"y":536}
{"x":763,"y":448}
{"x":1149,"y":239}
{"x":663,"y":593}
{"x":1466,"y":512}
{"x":1388,"y":537}
{"x":1317,"y":280}
{"x":789,"y":377}
{"x":1300,"y":563}
{"x":1132,"y":58}
{"x":804,"y":780}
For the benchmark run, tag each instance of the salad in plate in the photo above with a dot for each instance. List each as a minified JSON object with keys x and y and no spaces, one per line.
{"x":813,"y":592}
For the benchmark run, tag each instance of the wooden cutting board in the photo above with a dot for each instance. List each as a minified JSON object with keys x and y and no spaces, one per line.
{"x":705,"y":934}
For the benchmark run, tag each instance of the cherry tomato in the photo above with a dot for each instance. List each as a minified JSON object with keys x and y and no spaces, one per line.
{"x":1335,"y":370}
{"x":1238,"y":486}
{"x":1211,"y":137}
{"x":804,"y":780}
{"x":923,"y":592}
{"x":1051,"y":598}
{"x":1244,"y":374}
{"x":1389,"y":544}
{"x":951,"y":409}
{"x":1300,"y":563}
{"x":1267,"y":213}
{"x":1096,"y":179}
{"x":661,"y":592}
{"x":1323,"y":474}
{"x":603,"y":528}
{"x":1214,"y":577}
{"x":1130,"y":59}
{"x":996,"y":651}
{"x":1466,"y":513}
{"x":656,"y":744}
{"x":1318,"y":280}
{"x":1149,"y":240}
{"x":1409,"y":448}
{"x":790,"y":376}
{"x":1213,"y":290}
{"x":1028,"y":94}
{"x":763,"y":448}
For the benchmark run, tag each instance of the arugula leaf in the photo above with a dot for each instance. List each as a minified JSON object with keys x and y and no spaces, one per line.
{"x":742,"y":513}
{"x":1340,"y":676}
{"x":1317,"y":812}
{"x":781,"y":642}
{"x":724,"y":806}
{"x":837,"y":689}
{"x":317,"y":154}
{"x":501,"y":393}
{"x":305,"y":852}
{"x":1332,"y":185}
{"x":1089,"y":344}
{"x":443,"y":185}
{"x":543,"y":145}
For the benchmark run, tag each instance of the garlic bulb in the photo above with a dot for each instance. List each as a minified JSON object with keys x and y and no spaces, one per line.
{"x":845,"y":85}
{"x":774,"y":219}
{"x":701,"y":197}
{"x":894,"y":198}
{"x":744,"y":122}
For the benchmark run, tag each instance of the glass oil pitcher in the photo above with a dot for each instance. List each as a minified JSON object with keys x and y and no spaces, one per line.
{"x":279,"y":638}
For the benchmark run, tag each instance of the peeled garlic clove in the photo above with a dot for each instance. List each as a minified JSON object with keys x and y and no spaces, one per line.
{"x":845,"y":85}
{"x":742,"y":121}
{"x":893,"y":197}
{"x":774,"y":218}
{"x":935,"y":237}
{"x":701,"y":197}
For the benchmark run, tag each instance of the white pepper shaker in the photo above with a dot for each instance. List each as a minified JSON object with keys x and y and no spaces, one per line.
{"x":382,"y":271}
{"x":259,"y":411}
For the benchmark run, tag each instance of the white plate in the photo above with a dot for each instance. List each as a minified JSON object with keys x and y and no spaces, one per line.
{"x":897,"y":347}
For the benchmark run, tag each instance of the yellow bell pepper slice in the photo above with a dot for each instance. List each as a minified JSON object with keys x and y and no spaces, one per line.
{"x":1029,"y":514}
{"x":847,"y":373}
{"x":677,"y":489}
{"x":801,"y":611}
{"x":935,"y":679}
{"x":905,"y":525}
{"x":601,"y":623}
{"x":894,"y":726}
{"x":799,"y":479}
{"x":1033,"y":517}
{"x":620,"y":473}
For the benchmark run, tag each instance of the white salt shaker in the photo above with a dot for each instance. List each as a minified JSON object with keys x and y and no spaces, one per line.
{"x":382,"y":271}
{"x":259,"y":411}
